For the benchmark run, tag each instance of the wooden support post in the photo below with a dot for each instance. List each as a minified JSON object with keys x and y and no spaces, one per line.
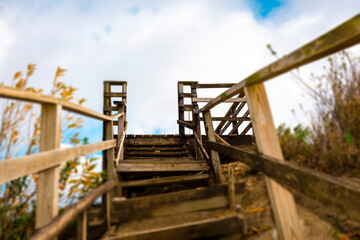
{"x":231,"y":187}
{"x":283,"y":204}
{"x":47,"y":194}
{"x":214,"y":155}
{"x":180,"y":103}
{"x":82,"y":226}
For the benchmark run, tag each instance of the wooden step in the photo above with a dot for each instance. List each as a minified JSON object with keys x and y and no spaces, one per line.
{"x":165,"y":180}
{"x":155,"y":148}
{"x":161,"y":166}
{"x":164,"y":154}
{"x":193,"y":225}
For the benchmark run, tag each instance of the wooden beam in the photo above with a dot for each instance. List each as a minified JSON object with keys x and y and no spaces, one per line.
{"x":215,"y":85}
{"x":52,"y":229}
{"x":116,"y":116}
{"x":229,"y":119}
{"x":220,"y":140}
{"x":335,"y":193}
{"x":215,"y":160}
{"x":181,"y":110}
{"x":282,"y":201}
{"x":114,"y":94}
{"x":82,"y":226}
{"x":47,"y":188}
{"x":161,"y":167}
{"x":14,"y":168}
{"x":201,"y":146}
{"x":23,"y":95}
{"x":165,"y":180}
{"x":339,"y":38}
{"x":230,"y":100}
{"x":186,"y":124}
{"x":246,"y":129}
{"x":237,"y":125}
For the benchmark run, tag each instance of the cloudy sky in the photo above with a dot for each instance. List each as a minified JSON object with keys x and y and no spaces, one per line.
{"x":153,"y":44}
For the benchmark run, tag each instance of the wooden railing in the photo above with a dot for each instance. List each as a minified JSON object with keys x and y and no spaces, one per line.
{"x":47,"y":162}
{"x":319,"y":186}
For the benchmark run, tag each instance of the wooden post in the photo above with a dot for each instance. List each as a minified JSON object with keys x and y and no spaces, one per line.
{"x":82,"y":226}
{"x":214,"y":155}
{"x":180,"y":103}
{"x":47,"y":194}
{"x":267,"y":141}
{"x":196,"y":121}
{"x":231,"y":187}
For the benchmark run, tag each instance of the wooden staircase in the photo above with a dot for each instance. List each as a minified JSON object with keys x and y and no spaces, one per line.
{"x":160,"y":160}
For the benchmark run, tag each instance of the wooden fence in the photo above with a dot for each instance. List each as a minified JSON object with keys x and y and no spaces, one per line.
{"x":47,"y":162}
{"x":270,"y":161}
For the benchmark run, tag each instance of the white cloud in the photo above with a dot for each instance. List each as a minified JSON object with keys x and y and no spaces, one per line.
{"x":153,"y":46}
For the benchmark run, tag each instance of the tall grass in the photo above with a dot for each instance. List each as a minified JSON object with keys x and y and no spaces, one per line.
{"x":332,"y":142}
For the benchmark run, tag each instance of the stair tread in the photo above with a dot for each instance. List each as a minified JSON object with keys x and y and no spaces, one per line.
{"x":165,"y":180}
{"x":180,"y":226}
{"x":161,"y":166}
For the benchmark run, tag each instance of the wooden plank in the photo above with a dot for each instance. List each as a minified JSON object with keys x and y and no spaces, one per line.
{"x":220,"y":140}
{"x":47,"y":187}
{"x":164,"y":204}
{"x":231,"y":188}
{"x":237,"y":125}
{"x":117,"y":115}
{"x":165,"y":180}
{"x":335,"y":193}
{"x":19,"y":94}
{"x":229,"y":119}
{"x":201,"y":229}
{"x":52,"y":229}
{"x":161,"y":167}
{"x":230,"y":100}
{"x":215,"y":85}
{"x":155,"y":148}
{"x":14,"y":168}
{"x":246,"y":129}
{"x":230,"y":113}
{"x":110,"y":108}
{"x":114,"y":94}
{"x":170,"y":160}
{"x":180,"y":110}
{"x":115,"y":82}
{"x":186,"y":124}
{"x":82,"y":226}
{"x":186,"y":107}
{"x":201,"y":146}
{"x":160,"y":154}
{"x":282,"y":201}
{"x":160,"y":141}
{"x":187,"y":95}
{"x":215,"y":160}
{"x":339,"y":38}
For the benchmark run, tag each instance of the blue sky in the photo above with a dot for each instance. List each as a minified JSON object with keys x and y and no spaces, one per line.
{"x":154,"y":44}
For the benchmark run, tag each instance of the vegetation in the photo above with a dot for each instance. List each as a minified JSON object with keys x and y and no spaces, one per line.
{"x":19,"y":130}
{"x":331,"y":143}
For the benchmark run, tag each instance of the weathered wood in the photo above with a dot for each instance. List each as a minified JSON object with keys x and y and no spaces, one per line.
{"x":165,"y":180}
{"x":339,"y":38}
{"x":230,"y":100}
{"x":181,"y":110}
{"x":117,"y":115}
{"x":230,"y":113}
{"x":114,"y":94}
{"x":47,"y":194}
{"x":158,"y":141}
{"x":187,"y":95}
{"x":14,"y":168}
{"x":246,"y":129}
{"x":200,"y":229}
{"x":221,"y":140}
{"x":110,"y":109}
{"x":282,"y":201}
{"x":335,"y":193}
{"x":82,"y":226}
{"x":215,"y":85}
{"x":157,"y":154}
{"x":155,"y":148}
{"x":185,"y":107}
{"x":242,"y":119}
{"x":169,"y":160}
{"x":215,"y":160}
{"x":161,"y":167}
{"x":19,"y":94}
{"x":186,"y":124}
{"x":231,"y":187}
{"x":163,"y":204}
{"x":237,"y":125}
{"x":201,"y":146}
{"x":52,"y":229}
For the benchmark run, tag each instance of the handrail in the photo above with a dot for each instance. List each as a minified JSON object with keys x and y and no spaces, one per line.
{"x":121,"y":144}
{"x":341,"y":37}
{"x":20,"y":94}
{"x":52,"y":229}
{"x":201,"y":146}
{"x":16,"y":167}
{"x":338,"y":193}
